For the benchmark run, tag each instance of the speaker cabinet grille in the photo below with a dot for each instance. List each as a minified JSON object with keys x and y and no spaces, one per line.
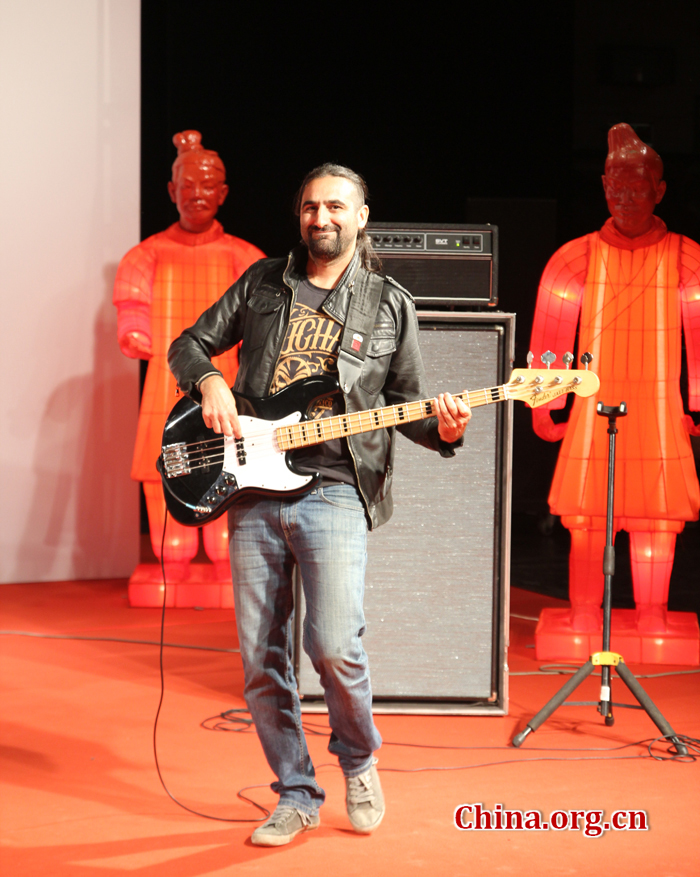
{"x":437,"y":577}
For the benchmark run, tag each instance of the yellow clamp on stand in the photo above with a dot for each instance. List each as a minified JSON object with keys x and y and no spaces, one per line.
{"x":606,"y":659}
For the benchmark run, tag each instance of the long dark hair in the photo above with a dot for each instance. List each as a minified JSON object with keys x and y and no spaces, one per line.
{"x":370,"y":260}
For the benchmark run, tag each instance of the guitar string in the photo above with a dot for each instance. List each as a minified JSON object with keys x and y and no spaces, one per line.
{"x":327,"y":423}
{"x":296,"y":439}
{"x":372,"y":412}
{"x":476,"y":398}
{"x":297,"y":435}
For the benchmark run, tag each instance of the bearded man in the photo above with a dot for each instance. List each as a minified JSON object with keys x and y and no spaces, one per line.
{"x":289,"y":315}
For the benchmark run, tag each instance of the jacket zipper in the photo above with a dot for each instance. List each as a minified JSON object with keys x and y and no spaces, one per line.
{"x":357,"y":476}
{"x":358,"y":480}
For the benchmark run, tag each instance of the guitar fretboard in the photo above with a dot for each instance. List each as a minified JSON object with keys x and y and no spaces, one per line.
{"x":313,"y":432}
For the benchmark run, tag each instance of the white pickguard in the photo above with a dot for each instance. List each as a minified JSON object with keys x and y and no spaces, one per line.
{"x":265,"y":464}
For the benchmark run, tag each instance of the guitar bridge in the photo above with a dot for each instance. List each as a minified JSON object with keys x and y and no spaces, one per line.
{"x":176,"y":460}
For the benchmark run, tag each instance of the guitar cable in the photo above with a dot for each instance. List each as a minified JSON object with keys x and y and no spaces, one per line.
{"x":232,"y":720}
{"x":193,"y":508}
{"x":263,"y":810}
{"x":227,"y":718}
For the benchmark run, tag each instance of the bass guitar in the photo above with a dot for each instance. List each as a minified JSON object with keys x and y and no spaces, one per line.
{"x":203,"y":472}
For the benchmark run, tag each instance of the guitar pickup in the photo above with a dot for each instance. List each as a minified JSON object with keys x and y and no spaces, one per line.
{"x":240,"y":451}
{"x":176,"y":461}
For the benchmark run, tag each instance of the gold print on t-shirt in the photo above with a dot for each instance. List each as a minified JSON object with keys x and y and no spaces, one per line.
{"x":310,"y":348}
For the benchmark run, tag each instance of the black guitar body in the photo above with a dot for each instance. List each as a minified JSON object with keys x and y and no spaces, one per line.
{"x":203,"y":473}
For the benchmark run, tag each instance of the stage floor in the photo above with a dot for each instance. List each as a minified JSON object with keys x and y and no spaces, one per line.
{"x":81,"y":795}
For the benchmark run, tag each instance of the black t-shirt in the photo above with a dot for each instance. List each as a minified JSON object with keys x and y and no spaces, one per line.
{"x":310,"y":348}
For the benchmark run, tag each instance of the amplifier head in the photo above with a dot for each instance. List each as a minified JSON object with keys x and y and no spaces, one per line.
{"x":452,"y":266}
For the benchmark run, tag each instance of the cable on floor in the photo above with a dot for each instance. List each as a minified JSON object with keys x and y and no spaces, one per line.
{"x":239,"y":793}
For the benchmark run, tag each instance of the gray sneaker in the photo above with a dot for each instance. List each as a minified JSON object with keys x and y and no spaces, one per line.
{"x":365,"y":800}
{"x":283,"y":826}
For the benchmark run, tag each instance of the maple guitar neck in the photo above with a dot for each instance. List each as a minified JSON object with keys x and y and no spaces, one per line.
{"x":534,"y":386}
{"x":313,"y":432}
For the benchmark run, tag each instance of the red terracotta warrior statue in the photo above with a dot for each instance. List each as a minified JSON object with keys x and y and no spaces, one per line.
{"x":633,"y":286}
{"x":161,"y":288}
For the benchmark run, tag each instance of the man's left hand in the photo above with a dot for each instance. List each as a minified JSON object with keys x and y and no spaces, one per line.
{"x":453,"y":416}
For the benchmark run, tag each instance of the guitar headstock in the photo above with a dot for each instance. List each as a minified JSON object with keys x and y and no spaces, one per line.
{"x":539,"y":386}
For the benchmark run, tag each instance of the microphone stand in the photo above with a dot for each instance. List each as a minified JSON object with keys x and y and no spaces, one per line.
{"x":606,"y":659}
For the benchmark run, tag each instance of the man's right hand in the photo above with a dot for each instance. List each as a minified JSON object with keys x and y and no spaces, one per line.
{"x":218,"y":406}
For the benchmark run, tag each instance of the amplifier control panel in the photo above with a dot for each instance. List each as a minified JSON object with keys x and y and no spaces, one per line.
{"x":432,"y":242}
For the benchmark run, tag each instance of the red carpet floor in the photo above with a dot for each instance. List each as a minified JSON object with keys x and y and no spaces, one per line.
{"x":81,"y":795}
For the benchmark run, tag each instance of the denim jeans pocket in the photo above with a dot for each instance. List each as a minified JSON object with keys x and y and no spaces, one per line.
{"x":342,"y":496}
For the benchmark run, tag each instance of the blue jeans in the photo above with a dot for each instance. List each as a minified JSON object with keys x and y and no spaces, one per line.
{"x":325,"y":533}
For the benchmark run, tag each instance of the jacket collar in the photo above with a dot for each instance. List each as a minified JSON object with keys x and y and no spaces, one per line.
{"x":338,"y":301}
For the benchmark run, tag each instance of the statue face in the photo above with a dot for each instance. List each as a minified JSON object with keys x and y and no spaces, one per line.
{"x":632,"y":196}
{"x":198,"y":192}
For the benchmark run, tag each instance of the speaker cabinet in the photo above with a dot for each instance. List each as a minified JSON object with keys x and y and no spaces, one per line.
{"x":436,"y":595}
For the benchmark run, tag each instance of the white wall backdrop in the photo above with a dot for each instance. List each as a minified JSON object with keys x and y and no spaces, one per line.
{"x":69,"y":152}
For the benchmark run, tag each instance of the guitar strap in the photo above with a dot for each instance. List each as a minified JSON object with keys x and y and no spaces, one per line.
{"x":359,"y":322}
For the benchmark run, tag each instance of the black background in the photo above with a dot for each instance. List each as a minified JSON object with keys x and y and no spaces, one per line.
{"x":431,"y":107}
{"x":452,"y":112}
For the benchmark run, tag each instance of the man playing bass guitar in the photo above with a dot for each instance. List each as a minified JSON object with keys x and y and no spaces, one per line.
{"x":290,"y":315}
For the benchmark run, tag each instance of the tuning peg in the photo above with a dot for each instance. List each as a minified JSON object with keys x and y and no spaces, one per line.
{"x":530,"y":358}
{"x":567,"y":359}
{"x":548,"y":358}
{"x":586,"y":358}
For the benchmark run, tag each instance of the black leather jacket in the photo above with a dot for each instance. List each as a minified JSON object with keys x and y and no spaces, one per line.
{"x":256,"y":310}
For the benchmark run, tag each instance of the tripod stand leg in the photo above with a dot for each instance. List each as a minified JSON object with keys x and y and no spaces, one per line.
{"x":630,"y":681}
{"x":556,"y":701}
